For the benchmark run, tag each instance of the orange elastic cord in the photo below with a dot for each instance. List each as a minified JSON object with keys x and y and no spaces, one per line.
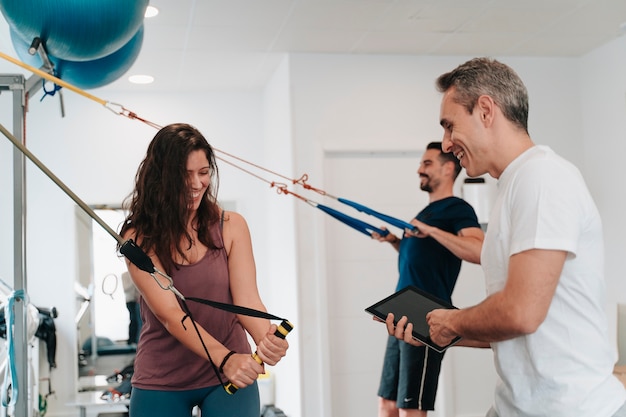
{"x":282,"y":189}
{"x":244,"y":170}
{"x":133,"y":116}
{"x":302,"y":182}
{"x":252,"y":164}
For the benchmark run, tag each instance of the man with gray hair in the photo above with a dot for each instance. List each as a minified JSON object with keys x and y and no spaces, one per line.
{"x":543,"y":258}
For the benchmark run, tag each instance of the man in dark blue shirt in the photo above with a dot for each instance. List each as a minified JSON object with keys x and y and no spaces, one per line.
{"x":447,"y":232}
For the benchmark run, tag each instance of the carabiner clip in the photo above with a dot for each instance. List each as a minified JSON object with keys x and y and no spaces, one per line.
{"x":170,"y":283}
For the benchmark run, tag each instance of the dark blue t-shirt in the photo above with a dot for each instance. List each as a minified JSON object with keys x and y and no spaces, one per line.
{"x":424,"y":262}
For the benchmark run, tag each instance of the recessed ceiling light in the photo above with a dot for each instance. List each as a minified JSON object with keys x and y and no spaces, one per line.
{"x":141,"y":79}
{"x":151,"y":11}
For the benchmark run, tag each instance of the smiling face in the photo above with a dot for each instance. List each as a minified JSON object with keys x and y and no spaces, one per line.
{"x":198,"y":177}
{"x":464,"y":135}
{"x":430,"y":171}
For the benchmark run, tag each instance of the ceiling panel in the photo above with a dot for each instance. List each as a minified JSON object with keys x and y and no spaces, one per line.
{"x":236,"y":44}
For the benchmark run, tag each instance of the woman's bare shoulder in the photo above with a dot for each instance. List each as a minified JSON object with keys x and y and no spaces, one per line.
{"x":233,"y":218}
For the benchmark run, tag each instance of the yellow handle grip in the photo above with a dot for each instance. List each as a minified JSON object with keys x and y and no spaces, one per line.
{"x":282,"y":331}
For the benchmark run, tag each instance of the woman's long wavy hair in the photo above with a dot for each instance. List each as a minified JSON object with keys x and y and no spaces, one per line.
{"x":158,"y":208}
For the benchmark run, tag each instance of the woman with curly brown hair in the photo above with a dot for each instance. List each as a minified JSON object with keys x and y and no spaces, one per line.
{"x":173,"y":215}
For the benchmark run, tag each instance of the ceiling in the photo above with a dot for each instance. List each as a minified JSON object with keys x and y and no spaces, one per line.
{"x":236,"y":44}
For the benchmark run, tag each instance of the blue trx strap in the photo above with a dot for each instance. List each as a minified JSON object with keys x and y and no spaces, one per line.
{"x":10,"y":387}
{"x":391,"y":220}
{"x":357,"y":224}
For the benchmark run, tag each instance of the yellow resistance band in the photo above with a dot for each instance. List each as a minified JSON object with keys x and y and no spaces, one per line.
{"x":52,"y":78}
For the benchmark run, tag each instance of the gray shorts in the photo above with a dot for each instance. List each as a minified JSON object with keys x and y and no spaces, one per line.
{"x":410,"y":375}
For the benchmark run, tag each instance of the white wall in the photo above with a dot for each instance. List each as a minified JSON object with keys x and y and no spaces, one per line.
{"x":280,"y":237}
{"x":603,"y":105}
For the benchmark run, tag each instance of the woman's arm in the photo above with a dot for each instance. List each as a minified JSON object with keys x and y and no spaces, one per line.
{"x":243,"y":286}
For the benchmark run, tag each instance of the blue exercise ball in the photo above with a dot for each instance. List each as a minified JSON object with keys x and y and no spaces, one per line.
{"x":86,"y":74}
{"x":21,"y":48}
{"x":76,"y":30}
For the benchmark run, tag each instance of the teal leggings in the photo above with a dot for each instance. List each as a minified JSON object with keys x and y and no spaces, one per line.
{"x":213,"y":402}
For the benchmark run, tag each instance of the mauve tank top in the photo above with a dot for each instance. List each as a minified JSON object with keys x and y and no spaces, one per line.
{"x":162,"y":362}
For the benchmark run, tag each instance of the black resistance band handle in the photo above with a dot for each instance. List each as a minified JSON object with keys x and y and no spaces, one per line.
{"x":283,"y":329}
{"x":137,"y":256}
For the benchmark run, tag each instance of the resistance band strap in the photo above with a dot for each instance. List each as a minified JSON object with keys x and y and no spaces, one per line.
{"x":356,"y":224}
{"x":10,"y":388}
{"x":232,"y":308}
{"x":281,"y":331}
{"x":206,"y":349}
{"x":391,"y":220}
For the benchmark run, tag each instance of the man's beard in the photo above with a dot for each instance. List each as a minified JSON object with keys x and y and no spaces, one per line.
{"x":426,"y":186}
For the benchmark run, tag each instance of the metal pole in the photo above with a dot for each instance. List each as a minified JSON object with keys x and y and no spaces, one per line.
{"x":16,"y":85}
{"x":21,"y":89}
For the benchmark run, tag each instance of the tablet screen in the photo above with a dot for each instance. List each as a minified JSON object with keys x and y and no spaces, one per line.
{"x":414,"y":304}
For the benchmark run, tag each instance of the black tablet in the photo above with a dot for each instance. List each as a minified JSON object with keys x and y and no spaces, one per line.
{"x":414,"y":304}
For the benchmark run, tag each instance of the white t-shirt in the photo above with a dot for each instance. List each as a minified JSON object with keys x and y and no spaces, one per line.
{"x":564,"y":369}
